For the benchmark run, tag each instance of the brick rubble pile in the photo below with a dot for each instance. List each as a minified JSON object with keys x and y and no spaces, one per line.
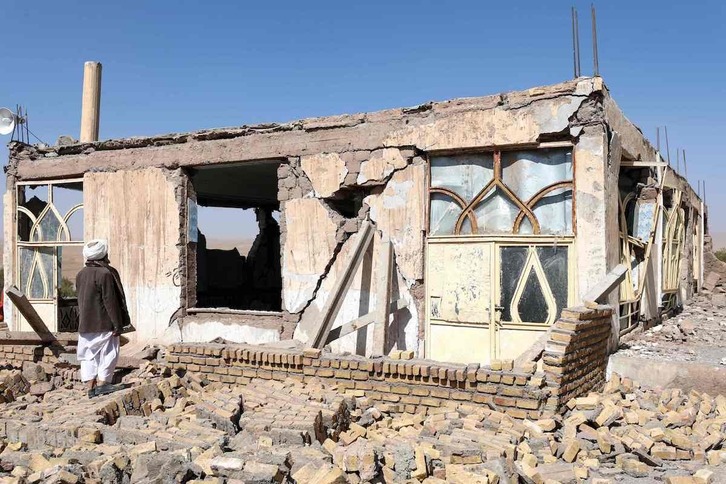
{"x":171,"y":428}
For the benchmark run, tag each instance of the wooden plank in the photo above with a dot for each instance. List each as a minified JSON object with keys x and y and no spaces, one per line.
{"x":30,"y":314}
{"x":534,"y":352}
{"x":383,"y":298}
{"x":362,"y":322}
{"x":335,"y":300}
{"x":607,"y":284}
{"x":641,"y":163}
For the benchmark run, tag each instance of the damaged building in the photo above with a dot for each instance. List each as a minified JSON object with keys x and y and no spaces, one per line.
{"x":467,"y":226}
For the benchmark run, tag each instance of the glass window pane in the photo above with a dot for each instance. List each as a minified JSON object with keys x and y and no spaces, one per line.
{"x":443,"y":215}
{"x":495,"y":213}
{"x":464,"y":174}
{"x":554,"y":212}
{"x":528,"y":172}
{"x":512,"y":263}
{"x":36,"y":272}
{"x":48,"y":228}
{"x":554,"y":262}
{"x":532,"y":305}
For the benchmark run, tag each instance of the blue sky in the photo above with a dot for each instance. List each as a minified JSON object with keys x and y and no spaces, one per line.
{"x":182,"y":65}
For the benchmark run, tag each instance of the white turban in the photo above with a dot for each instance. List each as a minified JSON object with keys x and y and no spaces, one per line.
{"x":95,"y":249}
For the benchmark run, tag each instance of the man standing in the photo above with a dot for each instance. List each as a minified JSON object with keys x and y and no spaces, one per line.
{"x":102,"y":315}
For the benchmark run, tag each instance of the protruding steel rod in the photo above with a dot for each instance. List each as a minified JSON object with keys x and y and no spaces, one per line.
{"x":668,"y":146}
{"x":698,"y":191}
{"x":685,"y":166}
{"x":595,"y":62}
{"x":678,"y":160}
{"x":657,"y":138}
{"x":577,"y":41}
{"x":90,"y":110}
{"x":574,"y":46}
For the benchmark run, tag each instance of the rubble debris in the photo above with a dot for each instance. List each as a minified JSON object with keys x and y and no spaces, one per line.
{"x":696,"y":334}
{"x":183,"y":428}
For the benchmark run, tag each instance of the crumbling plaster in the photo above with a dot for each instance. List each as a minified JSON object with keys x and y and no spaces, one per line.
{"x":517,"y":117}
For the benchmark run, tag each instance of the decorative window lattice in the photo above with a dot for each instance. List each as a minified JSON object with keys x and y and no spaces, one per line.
{"x":672,"y":243}
{"x":518,"y":192}
{"x":43,"y":228}
{"x":534,"y":283}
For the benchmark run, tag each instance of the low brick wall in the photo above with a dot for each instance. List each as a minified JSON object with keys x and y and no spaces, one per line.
{"x":399,"y":385}
{"x":576,"y":353}
{"x":15,"y":355}
{"x":573,"y":363}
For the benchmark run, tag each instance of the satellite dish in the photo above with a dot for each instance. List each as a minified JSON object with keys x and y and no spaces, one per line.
{"x":7,"y":121}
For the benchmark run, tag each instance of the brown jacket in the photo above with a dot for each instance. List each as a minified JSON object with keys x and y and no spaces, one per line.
{"x":100,"y":301}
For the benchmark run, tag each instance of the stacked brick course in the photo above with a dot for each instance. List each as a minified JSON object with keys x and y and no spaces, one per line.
{"x":395,"y":384}
{"x":576,"y":353}
{"x":15,"y":355}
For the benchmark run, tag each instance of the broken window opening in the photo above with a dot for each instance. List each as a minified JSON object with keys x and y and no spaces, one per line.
{"x":237,"y":244}
{"x":514,"y":192}
{"x":49,"y":247}
{"x":638,"y":212}
{"x":673,"y":236}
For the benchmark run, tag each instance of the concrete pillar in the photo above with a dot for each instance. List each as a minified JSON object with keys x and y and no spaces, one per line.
{"x":90,"y":110}
{"x":596,"y":213}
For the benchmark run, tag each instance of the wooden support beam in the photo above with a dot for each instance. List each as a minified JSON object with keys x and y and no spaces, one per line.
{"x":534,"y":352}
{"x":607,"y":284}
{"x":29,"y":313}
{"x":42,"y":333}
{"x":641,"y":163}
{"x":383,"y":298}
{"x":363,"y":321}
{"x":335,"y":300}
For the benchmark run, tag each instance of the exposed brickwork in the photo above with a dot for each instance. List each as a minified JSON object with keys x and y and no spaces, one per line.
{"x":576,"y":353}
{"x":15,"y":355}
{"x":395,"y":385}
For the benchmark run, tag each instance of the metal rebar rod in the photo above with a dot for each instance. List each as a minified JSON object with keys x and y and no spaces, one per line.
{"x":685,"y":166}
{"x":657,"y":138}
{"x":678,"y":160}
{"x":668,"y":147}
{"x":574,"y":47}
{"x":577,"y":42}
{"x":595,"y":62}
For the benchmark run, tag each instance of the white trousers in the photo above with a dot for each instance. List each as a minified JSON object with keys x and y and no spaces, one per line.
{"x":98,"y":354}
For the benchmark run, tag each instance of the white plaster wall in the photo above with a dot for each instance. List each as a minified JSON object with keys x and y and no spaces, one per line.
{"x":202,"y":332}
{"x":138,"y":213}
{"x":8,"y":255}
{"x":590,"y":213}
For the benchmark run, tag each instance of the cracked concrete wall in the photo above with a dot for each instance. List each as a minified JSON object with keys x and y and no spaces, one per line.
{"x":388,"y":186}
